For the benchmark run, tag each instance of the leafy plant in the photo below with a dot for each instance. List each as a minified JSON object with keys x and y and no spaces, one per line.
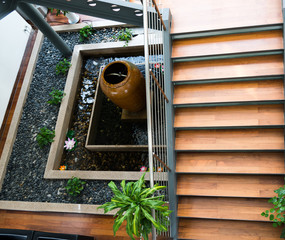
{"x":277,"y":213}
{"x":45,"y":136}
{"x":56,"y":96}
{"x":134,"y":204}
{"x":62,"y":67}
{"x":125,"y":35}
{"x":85,"y":33}
{"x":58,"y":11}
{"x":74,"y":186}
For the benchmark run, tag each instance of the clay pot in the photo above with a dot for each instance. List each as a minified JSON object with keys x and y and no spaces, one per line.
{"x":123,"y":83}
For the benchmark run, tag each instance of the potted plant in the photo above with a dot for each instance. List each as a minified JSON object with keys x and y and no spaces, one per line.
{"x":277,"y":213}
{"x":72,"y":17}
{"x":134,"y":204}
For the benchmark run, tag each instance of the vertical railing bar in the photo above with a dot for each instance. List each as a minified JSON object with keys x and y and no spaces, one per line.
{"x":152,"y":88}
{"x":159,"y":102}
{"x":158,"y":13}
{"x":147,"y":78}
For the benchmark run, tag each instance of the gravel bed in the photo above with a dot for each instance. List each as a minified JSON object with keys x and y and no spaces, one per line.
{"x":24,"y":178}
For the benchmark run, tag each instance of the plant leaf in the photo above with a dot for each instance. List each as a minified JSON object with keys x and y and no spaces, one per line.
{"x":119,"y":221}
{"x":136,"y":221}
{"x":154,"y":222}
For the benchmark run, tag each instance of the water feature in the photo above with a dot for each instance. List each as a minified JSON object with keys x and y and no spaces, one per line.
{"x":111,"y":129}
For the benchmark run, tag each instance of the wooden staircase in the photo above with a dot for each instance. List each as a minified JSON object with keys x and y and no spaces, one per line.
{"x":228,"y":97}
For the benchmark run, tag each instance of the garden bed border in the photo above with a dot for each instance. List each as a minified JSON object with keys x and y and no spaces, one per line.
{"x":50,"y":173}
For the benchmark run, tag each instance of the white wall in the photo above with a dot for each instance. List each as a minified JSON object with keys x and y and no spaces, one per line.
{"x":13,"y":42}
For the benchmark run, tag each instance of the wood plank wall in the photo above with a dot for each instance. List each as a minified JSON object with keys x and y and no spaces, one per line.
{"x":229,"y":138}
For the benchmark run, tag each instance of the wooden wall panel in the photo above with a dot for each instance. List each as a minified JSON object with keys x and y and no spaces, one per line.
{"x":247,"y":139}
{"x":229,"y":68}
{"x":223,"y":208}
{"x":251,"y":115}
{"x":229,"y":185}
{"x":227,"y":230}
{"x":98,"y":226}
{"x":256,"y":163}
{"x":197,"y":15}
{"x":236,"y":43}
{"x":229,"y":92}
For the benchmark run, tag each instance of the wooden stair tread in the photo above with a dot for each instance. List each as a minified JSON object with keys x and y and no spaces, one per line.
{"x":223,"y":208}
{"x":225,"y":44}
{"x":229,"y":92}
{"x":224,"y":230}
{"x":257,"y":163}
{"x":253,"y":139}
{"x":211,"y":15}
{"x":250,"y":115}
{"x":229,"y":68}
{"x":228,"y":185}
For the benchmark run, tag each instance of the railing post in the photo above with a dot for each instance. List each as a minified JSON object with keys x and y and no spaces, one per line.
{"x":166,"y":15}
{"x":148,"y":102}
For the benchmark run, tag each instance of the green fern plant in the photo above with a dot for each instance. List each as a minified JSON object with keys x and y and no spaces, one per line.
{"x":125,"y":35}
{"x":74,"y":186}
{"x":85,"y":33}
{"x":62,"y":67}
{"x":45,"y":136}
{"x":56,"y":96}
{"x":134,"y":204}
{"x":277,"y":213}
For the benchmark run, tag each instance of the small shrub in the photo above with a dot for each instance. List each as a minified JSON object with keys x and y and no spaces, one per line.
{"x":85,"y":33}
{"x":74,"y":186}
{"x":125,"y":35}
{"x":45,"y":136}
{"x":62,"y":67}
{"x":277,"y":213}
{"x":56,"y":96}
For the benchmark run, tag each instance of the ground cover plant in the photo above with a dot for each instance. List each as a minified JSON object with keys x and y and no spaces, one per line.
{"x":56,"y":96}
{"x":85,"y":33}
{"x":74,"y":186}
{"x":62,"y":67}
{"x":125,"y":35}
{"x":45,"y":136}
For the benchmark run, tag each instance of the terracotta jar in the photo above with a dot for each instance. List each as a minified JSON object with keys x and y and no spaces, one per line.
{"x":123,"y":83}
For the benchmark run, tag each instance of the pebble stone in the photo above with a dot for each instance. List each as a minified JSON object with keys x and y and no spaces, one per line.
{"x":24,"y":177}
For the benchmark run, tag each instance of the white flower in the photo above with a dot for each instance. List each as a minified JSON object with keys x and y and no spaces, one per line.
{"x":69,"y":144}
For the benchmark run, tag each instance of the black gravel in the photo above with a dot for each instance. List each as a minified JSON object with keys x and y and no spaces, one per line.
{"x":24,"y":178}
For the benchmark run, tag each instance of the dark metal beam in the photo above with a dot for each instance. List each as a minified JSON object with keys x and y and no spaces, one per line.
{"x":221,"y":104}
{"x":241,"y":79}
{"x":228,"y":56}
{"x":229,"y":127}
{"x":44,"y":27}
{"x":236,"y":150}
{"x":167,"y":46}
{"x":7,"y":6}
{"x":220,"y":32}
{"x":116,"y":10}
